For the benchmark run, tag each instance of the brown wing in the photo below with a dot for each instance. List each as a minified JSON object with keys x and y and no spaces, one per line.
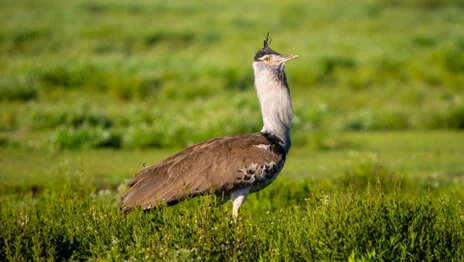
{"x":218,"y":165}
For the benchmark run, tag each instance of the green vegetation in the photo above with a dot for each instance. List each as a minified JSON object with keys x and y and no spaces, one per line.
{"x":367,"y":212}
{"x":384,"y":65}
{"x":91,"y":90}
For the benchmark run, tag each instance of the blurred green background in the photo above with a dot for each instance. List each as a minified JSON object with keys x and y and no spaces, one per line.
{"x":79,"y":79}
{"x":92,"y":90}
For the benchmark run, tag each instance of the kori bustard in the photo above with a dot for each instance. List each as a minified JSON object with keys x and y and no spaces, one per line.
{"x":230,"y":167}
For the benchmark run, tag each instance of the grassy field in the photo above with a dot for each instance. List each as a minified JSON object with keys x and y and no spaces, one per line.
{"x":92,"y":90}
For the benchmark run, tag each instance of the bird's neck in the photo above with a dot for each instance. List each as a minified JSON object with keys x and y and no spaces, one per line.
{"x":276,"y":106}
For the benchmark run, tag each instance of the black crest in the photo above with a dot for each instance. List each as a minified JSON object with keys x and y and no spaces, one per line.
{"x":266,"y":50}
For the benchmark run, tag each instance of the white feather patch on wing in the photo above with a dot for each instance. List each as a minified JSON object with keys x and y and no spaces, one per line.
{"x":263,"y":146}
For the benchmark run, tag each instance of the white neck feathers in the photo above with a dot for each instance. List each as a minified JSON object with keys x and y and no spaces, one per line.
{"x":276,"y":104}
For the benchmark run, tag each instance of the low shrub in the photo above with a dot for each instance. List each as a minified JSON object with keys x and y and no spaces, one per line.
{"x":18,"y":89}
{"x":70,"y":75}
{"x":76,"y":221}
{"x":85,"y":136}
{"x":97,"y":78}
{"x":450,"y":118}
{"x":425,"y":4}
{"x":455,"y":117}
{"x":380,"y":120}
{"x":4,"y":141}
{"x":72,"y":118}
{"x":145,"y":136}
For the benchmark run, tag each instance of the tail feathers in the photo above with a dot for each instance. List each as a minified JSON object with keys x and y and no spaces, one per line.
{"x":126,"y":210}
{"x":149,"y":190}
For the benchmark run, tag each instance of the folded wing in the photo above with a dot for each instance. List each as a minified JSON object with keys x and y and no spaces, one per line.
{"x":220,"y":165}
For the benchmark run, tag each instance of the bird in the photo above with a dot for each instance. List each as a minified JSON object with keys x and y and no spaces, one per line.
{"x":230,"y":167}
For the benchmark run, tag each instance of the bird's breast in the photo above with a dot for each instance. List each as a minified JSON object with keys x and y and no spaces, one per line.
{"x":266,"y":174}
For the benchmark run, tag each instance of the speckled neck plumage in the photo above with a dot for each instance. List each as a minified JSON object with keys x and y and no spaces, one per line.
{"x":276,"y":104}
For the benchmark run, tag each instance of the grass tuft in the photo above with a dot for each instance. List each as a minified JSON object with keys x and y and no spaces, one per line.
{"x":85,"y":137}
{"x":77,"y":222}
{"x":18,"y":89}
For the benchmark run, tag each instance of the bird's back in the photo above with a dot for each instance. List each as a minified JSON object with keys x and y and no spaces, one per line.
{"x":221,"y":165}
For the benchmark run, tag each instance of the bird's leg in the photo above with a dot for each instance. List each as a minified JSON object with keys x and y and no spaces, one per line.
{"x":238,"y":198}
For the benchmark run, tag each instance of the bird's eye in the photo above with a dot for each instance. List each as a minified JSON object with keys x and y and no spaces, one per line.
{"x":267,"y":59}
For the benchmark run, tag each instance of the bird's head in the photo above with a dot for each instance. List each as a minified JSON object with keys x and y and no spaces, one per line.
{"x":267,"y":61}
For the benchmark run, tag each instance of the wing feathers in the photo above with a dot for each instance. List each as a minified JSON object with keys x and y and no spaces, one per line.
{"x":218,"y":165}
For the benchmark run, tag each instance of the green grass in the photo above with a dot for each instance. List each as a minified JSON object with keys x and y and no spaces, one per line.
{"x":370,"y":65}
{"x":419,"y":155}
{"x":379,"y":218}
{"x":92,"y":90}
{"x":384,"y":196}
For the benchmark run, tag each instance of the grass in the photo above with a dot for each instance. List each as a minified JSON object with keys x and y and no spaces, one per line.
{"x":397,"y":74}
{"x":386,"y":196}
{"x":419,"y":155}
{"x":92,"y":90}
{"x":292,"y":221}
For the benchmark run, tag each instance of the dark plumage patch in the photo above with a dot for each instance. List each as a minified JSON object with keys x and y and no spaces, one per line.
{"x":266,"y":50}
{"x":280,"y":74}
{"x":276,"y":143}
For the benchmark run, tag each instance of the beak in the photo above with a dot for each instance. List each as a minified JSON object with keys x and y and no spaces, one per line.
{"x":286,"y":58}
